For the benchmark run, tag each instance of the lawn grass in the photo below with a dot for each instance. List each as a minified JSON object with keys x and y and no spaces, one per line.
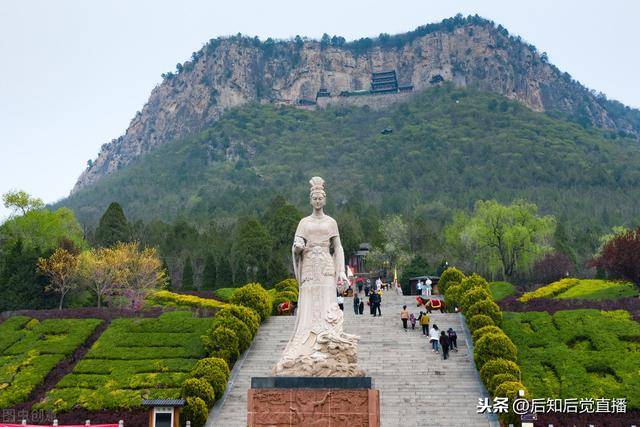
{"x":134,"y":359}
{"x":29,"y":350}
{"x":578,"y":353}
{"x":600,"y":289}
{"x":501,"y":290}
{"x":593,"y":289}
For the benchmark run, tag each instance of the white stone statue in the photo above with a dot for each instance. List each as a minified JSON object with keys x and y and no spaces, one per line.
{"x":319,"y":347}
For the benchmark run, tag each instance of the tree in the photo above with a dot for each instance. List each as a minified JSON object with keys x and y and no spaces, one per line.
{"x":21,"y":200}
{"x":138,"y":272}
{"x":62,"y":270}
{"x":113,"y":227}
{"x":98,"y":269}
{"x":503,"y":239}
{"x":620,"y":256}
{"x":224,"y":276}
{"x":250,"y":250}
{"x":417,"y":267}
{"x":561,"y":241}
{"x":554,"y":266}
{"x":209,"y":273}
{"x":394,"y":252}
{"x":187,"y":275}
{"x":325,"y":40}
{"x":42,"y":229}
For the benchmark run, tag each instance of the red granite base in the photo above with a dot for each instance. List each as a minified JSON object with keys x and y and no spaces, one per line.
{"x":280,"y":407}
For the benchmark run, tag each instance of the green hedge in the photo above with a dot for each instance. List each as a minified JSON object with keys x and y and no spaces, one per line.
{"x":494,"y":346}
{"x":480,"y":332}
{"x":247,"y":315}
{"x":474,"y":295}
{"x":473,"y":281}
{"x":241,"y":330}
{"x":486,"y":307}
{"x":198,"y":387}
{"x":450,"y":275}
{"x":498,"y":366}
{"x":215,"y":371}
{"x":254,"y":296}
{"x":195,"y":411}
{"x":223,"y":343}
{"x":453,"y":294}
{"x":479,"y":321}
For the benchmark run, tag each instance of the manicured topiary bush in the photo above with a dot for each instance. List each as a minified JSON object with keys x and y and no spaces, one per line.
{"x":254,"y":296}
{"x":473,"y":281}
{"x":486,"y":307}
{"x":480,"y":332}
{"x":494,"y":346}
{"x":287,"y":285}
{"x":195,"y":411}
{"x":498,"y":379}
{"x":215,"y":371}
{"x":511,"y":390}
{"x":247,"y":315}
{"x":453,"y":294}
{"x":223,"y":343}
{"x":198,"y":387}
{"x":450,"y":275}
{"x":474,"y":295}
{"x":480,"y":321}
{"x":498,"y":366}
{"x":241,"y":330}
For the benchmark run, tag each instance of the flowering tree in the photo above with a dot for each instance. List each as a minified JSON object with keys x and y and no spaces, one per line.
{"x":62,"y":270}
{"x":620,"y":256}
{"x":98,"y":271}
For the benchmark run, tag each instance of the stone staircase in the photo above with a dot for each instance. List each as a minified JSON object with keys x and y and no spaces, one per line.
{"x":417,"y":387}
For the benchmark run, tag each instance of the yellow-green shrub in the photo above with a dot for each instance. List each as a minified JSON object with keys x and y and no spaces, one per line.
{"x":473,"y":281}
{"x":215,"y":371}
{"x":223,"y":343}
{"x":494,"y":346}
{"x":480,"y":332}
{"x":498,"y":379}
{"x":164,"y":297}
{"x":254,"y":296}
{"x":453,"y":294}
{"x":237,"y":326}
{"x":551,"y":290}
{"x":486,"y":307}
{"x":511,"y":390}
{"x":195,"y":411}
{"x":245,"y":314}
{"x":480,"y":321}
{"x":474,"y":295}
{"x":450,"y":275}
{"x":198,"y":387}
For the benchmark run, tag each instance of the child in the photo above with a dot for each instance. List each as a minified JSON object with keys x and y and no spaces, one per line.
{"x":412,"y":319}
{"x":453,"y":339}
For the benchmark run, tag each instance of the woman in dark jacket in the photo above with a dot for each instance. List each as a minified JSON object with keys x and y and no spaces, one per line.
{"x":356,"y":303}
{"x":444,"y":343}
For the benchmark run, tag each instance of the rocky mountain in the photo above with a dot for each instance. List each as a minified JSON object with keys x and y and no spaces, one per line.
{"x":469,"y":52}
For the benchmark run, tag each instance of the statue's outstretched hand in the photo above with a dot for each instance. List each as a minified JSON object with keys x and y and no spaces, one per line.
{"x":298,"y":244}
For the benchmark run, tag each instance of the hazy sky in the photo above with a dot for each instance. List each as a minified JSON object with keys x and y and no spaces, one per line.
{"x":73,"y":73}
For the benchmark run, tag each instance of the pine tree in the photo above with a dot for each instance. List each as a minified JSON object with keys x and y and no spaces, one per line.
{"x":187,"y":275}
{"x":167,"y":272}
{"x":224,"y":276}
{"x":113,"y":227}
{"x":209,"y":274}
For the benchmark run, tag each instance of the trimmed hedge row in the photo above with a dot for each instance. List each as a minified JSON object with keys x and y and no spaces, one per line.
{"x":494,"y":352}
{"x":30,"y":349}
{"x":166,"y":298}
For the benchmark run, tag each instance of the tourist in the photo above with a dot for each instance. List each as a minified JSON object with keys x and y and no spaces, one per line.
{"x":444,"y":342}
{"x":361,"y":308}
{"x":398,"y":288}
{"x":427,"y":287}
{"x":423,"y":318}
{"x":378,"y":284}
{"x":378,"y":303}
{"x":412,"y":320}
{"x":341,"y":302}
{"x":356,"y":303}
{"x":453,"y":339}
{"x":434,"y":338}
{"x":372,"y":303}
{"x":367,"y":288}
{"x":359,"y":286}
{"x":404,"y":316}
{"x":419,"y":287}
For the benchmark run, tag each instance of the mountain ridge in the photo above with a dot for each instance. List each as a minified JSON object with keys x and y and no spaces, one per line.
{"x":234,"y":71}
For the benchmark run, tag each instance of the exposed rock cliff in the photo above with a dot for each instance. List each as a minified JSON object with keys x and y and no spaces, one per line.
{"x":233,"y":71}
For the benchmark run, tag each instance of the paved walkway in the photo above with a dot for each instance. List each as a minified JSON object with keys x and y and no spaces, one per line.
{"x":417,"y":387}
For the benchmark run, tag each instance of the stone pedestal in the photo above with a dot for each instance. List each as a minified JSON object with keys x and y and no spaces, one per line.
{"x":318,"y":401}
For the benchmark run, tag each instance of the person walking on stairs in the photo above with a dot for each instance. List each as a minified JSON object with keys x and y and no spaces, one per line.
{"x":412,"y":320}
{"x":341,"y":302}
{"x":444,"y":342}
{"x":356,"y":303}
{"x":424,"y":322}
{"x":434,"y":338}
{"x":372,"y":303}
{"x":378,"y":302}
{"x":453,"y":339}
{"x":404,"y":316}
{"x":361,"y":308}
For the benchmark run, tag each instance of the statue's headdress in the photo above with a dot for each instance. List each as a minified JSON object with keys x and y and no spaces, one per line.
{"x":316,"y":186}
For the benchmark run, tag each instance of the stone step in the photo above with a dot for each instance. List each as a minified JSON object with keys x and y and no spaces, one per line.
{"x":417,"y":387}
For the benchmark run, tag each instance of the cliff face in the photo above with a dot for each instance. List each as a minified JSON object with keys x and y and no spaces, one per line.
{"x":230,"y":72}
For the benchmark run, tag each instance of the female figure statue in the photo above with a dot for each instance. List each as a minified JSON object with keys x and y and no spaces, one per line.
{"x":318,"y":346}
